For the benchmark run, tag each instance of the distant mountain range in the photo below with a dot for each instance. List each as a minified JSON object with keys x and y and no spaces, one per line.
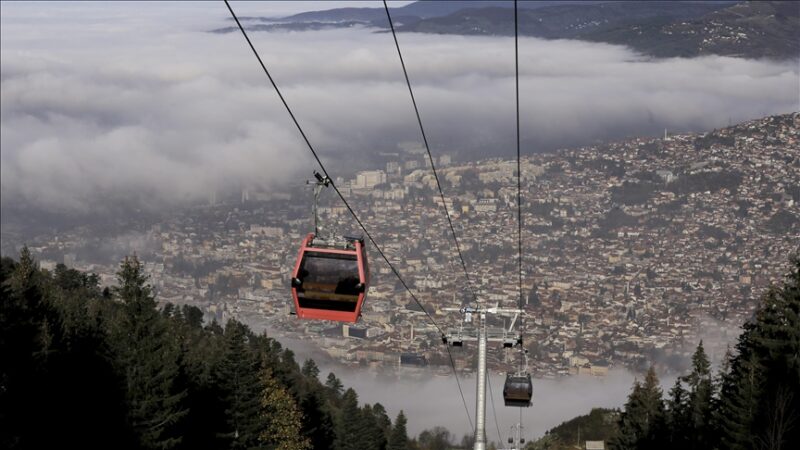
{"x":656,"y":28}
{"x":748,"y":29}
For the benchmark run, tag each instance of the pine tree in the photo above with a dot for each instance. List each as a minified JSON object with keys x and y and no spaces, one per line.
{"x":334,"y":385}
{"x":317,"y":422}
{"x":677,"y":417}
{"x":350,"y":428}
{"x":701,"y":394}
{"x":777,"y":347}
{"x":149,"y":360}
{"x":193,"y":316}
{"x":653,"y":408}
{"x":281,"y":417}
{"x":25,"y":277}
{"x":383,"y":421}
{"x":238,"y":378}
{"x":71,"y":280}
{"x":203,"y":351}
{"x":760,"y":404}
{"x":642,"y":421}
{"x":374,"y":437}
{"x":81,"y":369}
{"x":740,"y":390}
{"x":23,"y":346}
{"x":629,"y":426}
{"x":37,"y":320}
{"x":56,"y":367}
{"x":310,"y":368}
{"x":398,"y":440}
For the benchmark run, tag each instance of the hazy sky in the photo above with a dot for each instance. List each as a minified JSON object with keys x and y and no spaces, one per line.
{"x":105,"y":101}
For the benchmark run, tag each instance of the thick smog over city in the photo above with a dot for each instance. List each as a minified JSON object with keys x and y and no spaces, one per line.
{"x":405,"y":225}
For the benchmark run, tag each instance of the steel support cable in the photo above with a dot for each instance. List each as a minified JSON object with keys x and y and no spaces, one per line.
{"x":494,"y":412}
{"x":519,"y":165}
{"x":346,"y":204}
{"x":322,"y":167}
{"x":458,"y":382}
{"x":519,"y":177}
{"x":441,"y":193}
{"x":519,"y":183}
{"x":430,"y":157}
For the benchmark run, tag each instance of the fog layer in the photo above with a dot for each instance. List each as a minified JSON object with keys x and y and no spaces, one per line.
{"x":138,"y":101}
{"x":430,"y":400}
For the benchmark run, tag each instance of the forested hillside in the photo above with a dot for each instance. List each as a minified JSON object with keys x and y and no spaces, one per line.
{"x":88,"y":368}
{"x":599,"y":425}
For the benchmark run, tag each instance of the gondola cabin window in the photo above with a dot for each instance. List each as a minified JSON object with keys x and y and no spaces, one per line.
{"x":329,"y":281}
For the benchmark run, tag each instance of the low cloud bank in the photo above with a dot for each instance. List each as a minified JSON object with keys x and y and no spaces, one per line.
{"x":140,"y":103}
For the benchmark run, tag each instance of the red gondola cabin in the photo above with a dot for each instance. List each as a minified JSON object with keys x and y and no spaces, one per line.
{"x":330,"y":282}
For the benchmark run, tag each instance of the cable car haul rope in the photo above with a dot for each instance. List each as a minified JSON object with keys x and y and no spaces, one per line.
{"x":331,"y":277}
{"x":349,"y":208}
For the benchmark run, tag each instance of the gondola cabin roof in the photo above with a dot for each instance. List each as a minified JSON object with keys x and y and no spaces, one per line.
{"x":330,"y":281}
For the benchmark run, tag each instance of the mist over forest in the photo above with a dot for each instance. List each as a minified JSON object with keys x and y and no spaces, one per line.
{"x":430,"y":400}
{"x":433,"y":400}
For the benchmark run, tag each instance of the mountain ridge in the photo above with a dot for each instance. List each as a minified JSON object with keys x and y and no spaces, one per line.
{"x":656,"y":28}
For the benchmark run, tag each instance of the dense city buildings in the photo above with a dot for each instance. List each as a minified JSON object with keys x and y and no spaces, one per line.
{"x":632,"y":251}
